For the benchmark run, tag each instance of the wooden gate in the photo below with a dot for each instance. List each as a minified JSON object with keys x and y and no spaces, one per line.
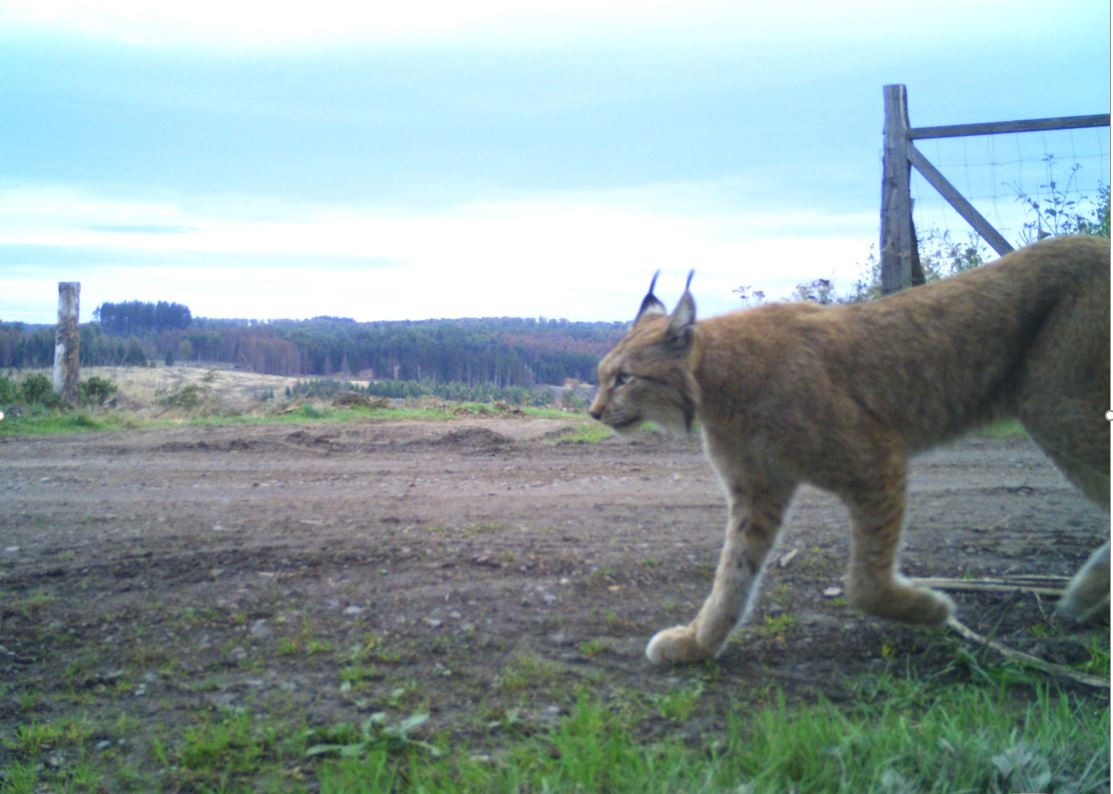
{"x":900,"y":264}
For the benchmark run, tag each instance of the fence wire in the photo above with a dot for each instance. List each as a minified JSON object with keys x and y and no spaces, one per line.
{"x":1003,"y":175}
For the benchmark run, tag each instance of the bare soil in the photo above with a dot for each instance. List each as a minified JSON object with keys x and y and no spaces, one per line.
{"x":480,"y":569}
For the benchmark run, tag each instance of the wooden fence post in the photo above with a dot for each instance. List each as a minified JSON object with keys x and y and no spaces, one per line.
{"x":900,"y":257}
{"x":67,"y":341}
{"x":900,"y":260}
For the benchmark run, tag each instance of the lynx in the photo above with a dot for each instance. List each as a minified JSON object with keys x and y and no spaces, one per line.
{"x":841,"y":396}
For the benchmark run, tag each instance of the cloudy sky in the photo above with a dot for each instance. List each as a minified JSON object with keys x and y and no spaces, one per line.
{"x":495,"y":157}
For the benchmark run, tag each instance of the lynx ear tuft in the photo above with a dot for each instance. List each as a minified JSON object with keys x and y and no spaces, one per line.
{"x":650,"y":304}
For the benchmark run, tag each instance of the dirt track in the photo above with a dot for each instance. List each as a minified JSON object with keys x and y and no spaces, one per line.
{"x":476,"y":568}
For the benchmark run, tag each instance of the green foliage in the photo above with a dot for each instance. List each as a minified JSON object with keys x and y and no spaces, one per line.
{"x":1055,"y":213}
{"x":139,"y":317}
{"x":37,"y":389}
{"x":225,"y":745}
{"x":329,"y":388}
{"x":34,"y":391}
{"x":940,"y":256}
{"x":32,"y":739}
{"x":502,"y":352}
{"x":96,"y":390}
{"x":187,"y":398}
{"x":32,"y":408}
{"x":374,"y":734}
{"x":821,"y":291}
{"x":8,"y":390}
{"x":1056,"y":210}
{"x":680,"y":703}
{"x":587,"y":433}
{"x":1020,"y":768}
{"x":905,"y":739}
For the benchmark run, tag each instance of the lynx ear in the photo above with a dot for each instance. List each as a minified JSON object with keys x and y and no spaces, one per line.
{"x":683,"y":320}
{"x":650,"y":304}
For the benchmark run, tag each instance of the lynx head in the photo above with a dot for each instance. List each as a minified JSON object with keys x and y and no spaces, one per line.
{"x":646,"y":377}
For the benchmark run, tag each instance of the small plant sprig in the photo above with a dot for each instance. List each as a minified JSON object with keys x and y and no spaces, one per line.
{"x":375,"y":733}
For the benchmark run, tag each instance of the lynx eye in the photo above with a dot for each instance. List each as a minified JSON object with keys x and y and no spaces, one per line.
{"x":622,"y":378}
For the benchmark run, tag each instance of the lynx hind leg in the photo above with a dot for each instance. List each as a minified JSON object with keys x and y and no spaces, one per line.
{"x":1062,"y":404}
{"x":1087,"y":596}
{"x":755,"y":516}
{"x":873,"y":584}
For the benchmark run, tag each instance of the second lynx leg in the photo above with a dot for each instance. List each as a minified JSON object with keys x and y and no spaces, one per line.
{"x":755,"y":518}
{"x":874,"y":585}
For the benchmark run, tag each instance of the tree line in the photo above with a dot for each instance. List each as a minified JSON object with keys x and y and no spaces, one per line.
{"x":141,"y":317}
{"x":503,"y":352}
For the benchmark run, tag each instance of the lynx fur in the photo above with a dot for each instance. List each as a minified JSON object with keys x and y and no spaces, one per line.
{"x":841,"y":396}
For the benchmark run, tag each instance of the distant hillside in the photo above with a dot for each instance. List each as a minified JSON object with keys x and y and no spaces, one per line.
{"x":502,"y":351}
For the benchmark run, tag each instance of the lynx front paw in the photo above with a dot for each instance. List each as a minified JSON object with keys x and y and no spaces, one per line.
{"x":676,"y":646}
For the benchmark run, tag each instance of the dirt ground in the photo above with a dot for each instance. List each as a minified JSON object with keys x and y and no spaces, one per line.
{"x":480,"y":569}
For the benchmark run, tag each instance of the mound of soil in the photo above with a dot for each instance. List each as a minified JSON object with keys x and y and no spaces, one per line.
{"x":473,"y":437}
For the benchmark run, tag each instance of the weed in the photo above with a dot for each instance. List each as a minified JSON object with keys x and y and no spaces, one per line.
{"x":371,"y":649}
{"x":29,"y":699}
{"x":484,"y":528}
{"x":374,"y":733}
{"x":1004,"y":430}
{"x":586,"y":433}
{"x":679,"y":704}
{"x":1020,"y":768}
{"x":190,"y":397}
{"x":528,"y":672}
{"x":777,"y":626}
{"x":33,"y":738}
{"x":358,"y":676}
{"x":1097,"y":661}
{"x":593,"y":648}
{"x":32,"y":606}
{"x":20,"y":778}
{"x":287,"y":646}
{"x":601,"y":576}
{"x":227,"y":744}
{"x":405,"y":694}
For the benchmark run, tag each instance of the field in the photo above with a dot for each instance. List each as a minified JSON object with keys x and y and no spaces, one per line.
{"x":209,"y":606}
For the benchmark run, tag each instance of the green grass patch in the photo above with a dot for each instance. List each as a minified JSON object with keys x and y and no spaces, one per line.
{"x":1004,"y":430}
{"x":961,"y":738}
{"x":45,"y":422}
{"x":893,"y":736}
{"x":51,"y":420}
{"x":586,"y":433}
{"x":680,"y":703}
{"x":35,"y":738}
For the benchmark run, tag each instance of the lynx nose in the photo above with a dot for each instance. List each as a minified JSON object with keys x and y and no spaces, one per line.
{"x":595,"y":413}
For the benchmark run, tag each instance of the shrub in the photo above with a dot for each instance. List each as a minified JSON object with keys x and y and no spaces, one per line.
{"x":37,"y":389}
{"x":96,"y":390}
{"x":8,"y":389}
{"x":188,"y":397}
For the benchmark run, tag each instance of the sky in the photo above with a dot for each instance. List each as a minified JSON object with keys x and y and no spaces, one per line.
{"x":386,"y":161}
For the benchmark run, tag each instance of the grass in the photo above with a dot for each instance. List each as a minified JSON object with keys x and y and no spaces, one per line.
{"x":1007,"y":429}
{"x":45,"y":423}
{"x":960,"y":738}
{"x":53,"y":422}
{"x":587,"y":433}
{"x":892,"y":735}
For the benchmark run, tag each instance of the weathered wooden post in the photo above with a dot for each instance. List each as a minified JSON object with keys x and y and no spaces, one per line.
{"x":900,"y":260}
{"x":67,"y":341}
